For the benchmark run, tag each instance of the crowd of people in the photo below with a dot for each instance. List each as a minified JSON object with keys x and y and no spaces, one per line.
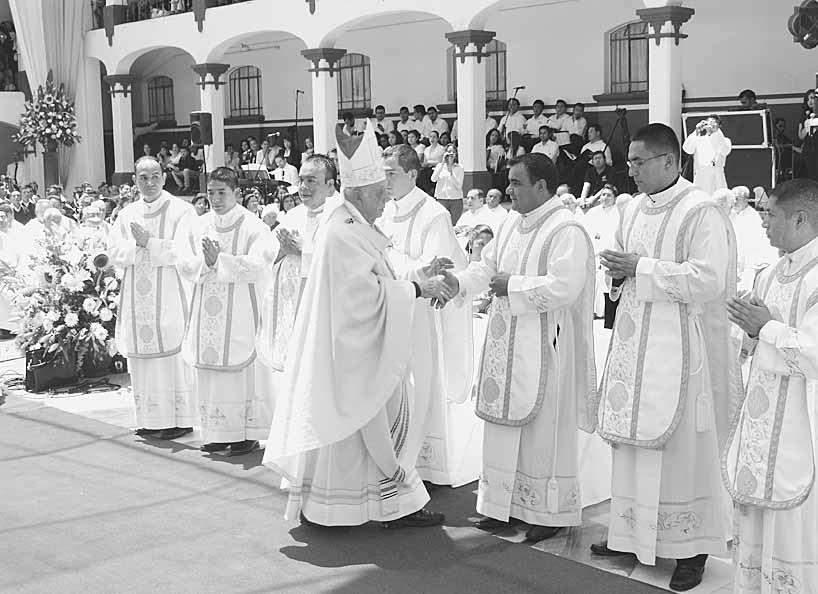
{"x":383,"y":341}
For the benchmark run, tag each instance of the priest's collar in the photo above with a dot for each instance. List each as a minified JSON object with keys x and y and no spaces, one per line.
{"x":667,"y":194}
{"x":230,"y":217}
{"x":803,"y":255}
{"x":405,"y":205}
{"x":157,"y":204}
{"x":551,"y":204}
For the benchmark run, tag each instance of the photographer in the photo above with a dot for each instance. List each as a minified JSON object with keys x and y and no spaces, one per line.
{"x":808,"y":135}
{"x":709,"y":148}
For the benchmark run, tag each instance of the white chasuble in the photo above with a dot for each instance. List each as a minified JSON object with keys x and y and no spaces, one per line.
{"x":769,"y":462}
{"x":233,"y":391}
{"x":668,"y":387}
{"x":447,"y":436}
{"x":340,"y":435}
{"x":154,"y":308}
{"x":537,"y":378}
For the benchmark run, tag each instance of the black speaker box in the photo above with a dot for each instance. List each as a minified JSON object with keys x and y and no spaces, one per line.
{"x":201,"y":127}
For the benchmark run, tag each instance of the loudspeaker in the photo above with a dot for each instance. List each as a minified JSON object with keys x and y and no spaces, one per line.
{"x":201,"y":127}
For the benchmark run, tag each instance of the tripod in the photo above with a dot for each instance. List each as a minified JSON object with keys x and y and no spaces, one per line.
{"x":622,"y":121}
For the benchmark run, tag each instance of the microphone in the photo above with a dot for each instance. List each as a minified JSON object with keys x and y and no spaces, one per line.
{"x":297,"y":91}
{"x":520,"y":88}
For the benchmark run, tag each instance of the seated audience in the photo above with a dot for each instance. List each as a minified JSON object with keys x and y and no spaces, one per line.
{"x":547,"y":146}
{"x":599,"y":174}
{"x":513,"y":120}
{"x":381,"y":123}
{"x":596,"y":143}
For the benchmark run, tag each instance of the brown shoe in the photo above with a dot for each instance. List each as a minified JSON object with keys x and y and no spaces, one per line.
{"x":420,"y":519}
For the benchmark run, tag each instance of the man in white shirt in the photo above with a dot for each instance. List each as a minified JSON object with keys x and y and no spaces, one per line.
{"x":494,"y":213}
{"x":537,"y":120}
{"x":491,"y":124}
{"x":595,"y":143}
{"x":546,"y":145}
{"x":558,"y":121}
{"x":381,"y":123}
{"x":513,"y":121}
{"x":436,"y":123}
{"x":576,"y":124}
{"x":350,"y":127}
{"x":405,"y":122}
{"x":422,"y":122}
{"x":473,"y":214}
{"x":285,"y":172}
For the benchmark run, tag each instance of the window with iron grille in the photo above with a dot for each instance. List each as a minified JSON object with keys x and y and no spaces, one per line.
{"x":160,"y":99}
{"x":244,"y":98}
{"x":354,"y":83}
{"x":628,"y":54}
{"x":495,"y":62}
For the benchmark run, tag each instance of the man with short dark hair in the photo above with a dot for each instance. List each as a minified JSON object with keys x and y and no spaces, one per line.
{"x":381,"y":123}
{"x":748,"y":99}
{"x":670,"y":382}
{"x":547,"y":146}
{"x":596,"y":177}
{"x":436,"y":123}
{"x":537,"y":380}
{"x":405,"y":123}
{"x":710,"y":148}
{"x":770,"y":455}
{"x":421,"y":234}
{"x":558,"y":121}
{"x":22,"y":204}
{"x":513,"y":121}
{"x":596,"y":143}
{"x":234,"y":251}
{"x":537,"y":120}
{"x":577,"y":124}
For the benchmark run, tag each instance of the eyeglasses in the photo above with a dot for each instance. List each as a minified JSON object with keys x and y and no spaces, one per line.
{"x":638,"y":163}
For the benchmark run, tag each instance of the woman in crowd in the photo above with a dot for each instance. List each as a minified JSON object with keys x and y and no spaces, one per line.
{"x":288,"y":203}
{"x":432,"y":157}
{"x":252,"y":202}
{"x":413,"y":140}
{"x":201,"y":204}
{"x":163,"y":156}
{"x":808,"y":134}
{"x":309,"y":148}
{"x":246,"y":152}
{"x":291,"y":154}
{"x":383,"y":141}
{"x":394,"y":138}
{"x":269,"y":215}
{"x":448,"y":177}
{"x":480,"y":236}
{"x":495,"y":158}
{"x":266,"y":156}
{"x":445,"y":139}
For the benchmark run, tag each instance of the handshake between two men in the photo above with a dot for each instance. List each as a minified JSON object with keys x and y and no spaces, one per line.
{"x":441,"y":286}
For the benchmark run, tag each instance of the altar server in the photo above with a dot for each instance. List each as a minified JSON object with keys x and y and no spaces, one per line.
{"x":769,"y":462}
{"x":342,"y":428}
{"x":235,"y":251}
{"x":666,"y":388}
{"x":537,"y":379}
{"x":150,"y":239}
{"x":420,"y":231}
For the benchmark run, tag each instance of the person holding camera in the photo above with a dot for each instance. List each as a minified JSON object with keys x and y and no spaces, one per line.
{"x":808,"y":135}
{"x":709,"y":147}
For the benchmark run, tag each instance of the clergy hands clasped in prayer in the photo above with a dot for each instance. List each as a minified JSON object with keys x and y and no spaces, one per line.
{"x":619,"y":264}
{"x":290,"y":241}
{"x":749,"y":313}
{"x":140,"y":234}
{"x":210,"y":249}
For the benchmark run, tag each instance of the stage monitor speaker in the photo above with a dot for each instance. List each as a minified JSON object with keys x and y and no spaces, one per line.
{"x":201,"y":127}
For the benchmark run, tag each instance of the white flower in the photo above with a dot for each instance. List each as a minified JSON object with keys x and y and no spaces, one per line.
{"x":99,"y":332}
{"x":83,"y":275}
{"x":73,"y":255}
{"x":72,"y":319}
{"x":54,"y":316}
{"x":105,"y":314}
{"x":72,"y":283}
{"x":112,"y":348}
{"x":89,"y":305}
{"x":48,"y":325}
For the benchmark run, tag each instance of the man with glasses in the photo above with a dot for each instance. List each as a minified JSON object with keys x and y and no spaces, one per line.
{"x":666,"y":388}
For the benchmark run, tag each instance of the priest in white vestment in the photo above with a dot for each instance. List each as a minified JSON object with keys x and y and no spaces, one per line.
{"x":234,"y":253}
{"x":341,"y":428}
{"x":11,"y":257}
{"x":600,"y":222}
{"x":666,"y":391}
{"x":754,"y":249}
{"x":150,"y":239}
{"x":474,"y":213}
{"x":296,"y":234}
{"x":537,"y":379}
{"x":420,"y":231}
{"x":769,"y":461}
{"x":710,"y":148}
{"x":494,"y":213}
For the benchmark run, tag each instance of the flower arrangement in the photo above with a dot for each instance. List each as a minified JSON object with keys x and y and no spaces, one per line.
{"x":71,"y":309}
{"x":49,"y":118}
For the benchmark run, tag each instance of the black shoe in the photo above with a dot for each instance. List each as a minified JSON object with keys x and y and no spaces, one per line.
{"x":304,"y":521}
{"x":420,"y":519}
{"x":431,"y":486}
{"x":7,"y":335}
{"x":142,"y":432}
{"x":539,"y":533}
{"x":239,"y":448}
{"x":602,"y":549}
{"x":688,"y":573}
{"x":173,"y":433}
{"x":216,"y":446}
{"x":491,"y":524}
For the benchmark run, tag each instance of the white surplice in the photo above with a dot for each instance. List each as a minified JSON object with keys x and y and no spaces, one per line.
{"x":233,"y":389}
{"x":601,"y":223}
{"x":667,"y":392}
{"x":754,"y":249}
{"x":769,"y":461}
{"x":537,"y":380}
{"x":154,"y":307}
{"x":448,"y":440}
{"x":11,"y":256}
{"x":340,"y":435}
{"x":709,"y":156}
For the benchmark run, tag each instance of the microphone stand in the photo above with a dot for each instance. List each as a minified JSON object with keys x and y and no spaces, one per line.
{"x":295,"y":132}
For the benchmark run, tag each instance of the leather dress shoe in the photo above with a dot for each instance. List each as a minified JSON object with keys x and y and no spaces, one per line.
{"x":602,"y":549}
{"x":143,"y":432}
{"x":173,"y":432}
{"x":539,"y":533}
{"x":304,"y":521}
{"x":688,"y":573}
{"x":239,"y":448}
{"x":420,"y":519}
{"x":491,"y":524}
{"x":216,"y":446}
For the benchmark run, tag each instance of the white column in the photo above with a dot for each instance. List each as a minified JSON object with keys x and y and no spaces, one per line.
{"x":665,"y":63}
{"x":324,"y":95}
{"x":122,"y":120}
{"x":212,"y":101}
{"x":471,"y":104}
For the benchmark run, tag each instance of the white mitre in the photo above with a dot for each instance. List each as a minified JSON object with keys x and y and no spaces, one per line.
{"x":359,"y":158}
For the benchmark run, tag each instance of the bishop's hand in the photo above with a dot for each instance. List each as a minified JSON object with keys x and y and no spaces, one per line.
{"x":140,"y":234}
{"x":290,"y":242}
{"x":436,"y":288}
{"x":437,"y":266}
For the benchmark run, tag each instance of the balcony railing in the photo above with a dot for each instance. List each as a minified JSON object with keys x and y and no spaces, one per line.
{"x":143,"y":10}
